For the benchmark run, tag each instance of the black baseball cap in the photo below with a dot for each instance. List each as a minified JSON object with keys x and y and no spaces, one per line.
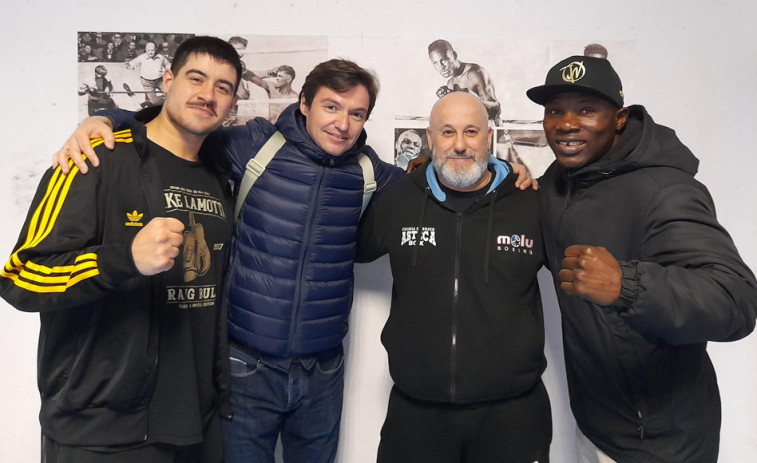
{"x":583,"y":74}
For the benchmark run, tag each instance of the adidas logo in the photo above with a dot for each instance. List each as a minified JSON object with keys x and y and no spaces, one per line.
{"x":134,"y":218}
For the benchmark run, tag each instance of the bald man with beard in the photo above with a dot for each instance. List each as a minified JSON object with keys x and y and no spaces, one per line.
{"x":465,"y":335}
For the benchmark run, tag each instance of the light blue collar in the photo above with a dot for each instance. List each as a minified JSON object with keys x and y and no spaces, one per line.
{"x":501,"y":170}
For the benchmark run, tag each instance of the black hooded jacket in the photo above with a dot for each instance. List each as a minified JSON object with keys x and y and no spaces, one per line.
{"x":466,"y":322}
{"x":642,"y":386}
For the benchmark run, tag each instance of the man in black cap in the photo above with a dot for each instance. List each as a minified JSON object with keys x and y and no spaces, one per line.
{"x":645,"y":275}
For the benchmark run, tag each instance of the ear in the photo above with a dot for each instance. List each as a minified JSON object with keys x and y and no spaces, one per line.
{"x":304,"y":109}
{"x":168,"y":78}
{"x":489,"y":135}
{"x":428,"y":139}
{"x":622,"y":118}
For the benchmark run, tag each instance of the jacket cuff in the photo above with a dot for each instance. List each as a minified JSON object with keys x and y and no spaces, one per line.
{"x":119,"y":118}
{"x":629,"y":286}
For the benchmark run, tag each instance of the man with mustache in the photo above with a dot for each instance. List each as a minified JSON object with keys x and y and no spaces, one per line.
{"x":133,"y":352}
{"x":465,"y":335}
{"x":645,"y":275}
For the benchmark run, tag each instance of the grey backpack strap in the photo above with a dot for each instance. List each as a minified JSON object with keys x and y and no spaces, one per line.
{"x":369,"y":182}
{"x":256,"y":166}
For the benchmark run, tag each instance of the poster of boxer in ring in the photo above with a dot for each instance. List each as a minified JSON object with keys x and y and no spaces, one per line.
{"x":125,"y":70}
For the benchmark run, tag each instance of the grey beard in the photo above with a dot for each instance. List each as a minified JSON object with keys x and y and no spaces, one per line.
{"x":459,"y":179}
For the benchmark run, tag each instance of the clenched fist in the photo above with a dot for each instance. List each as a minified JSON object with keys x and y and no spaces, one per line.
{"x":591,"y":273}
{"x":156,"y":246}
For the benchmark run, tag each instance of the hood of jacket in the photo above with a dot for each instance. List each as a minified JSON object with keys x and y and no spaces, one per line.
{"x":293,"y":125}
{"x":642,"y":144}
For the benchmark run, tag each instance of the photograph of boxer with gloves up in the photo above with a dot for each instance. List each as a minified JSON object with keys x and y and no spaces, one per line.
{"x":464,"y":77}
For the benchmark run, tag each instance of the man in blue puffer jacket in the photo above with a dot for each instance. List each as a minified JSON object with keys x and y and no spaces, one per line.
{"x":291,"y":274}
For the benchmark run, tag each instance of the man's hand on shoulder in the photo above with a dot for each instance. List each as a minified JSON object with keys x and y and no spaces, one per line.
{"x":416,"y":162}
{"x":591,"y":273}
{"x":524,"y":179}
{"x":78,"y":144}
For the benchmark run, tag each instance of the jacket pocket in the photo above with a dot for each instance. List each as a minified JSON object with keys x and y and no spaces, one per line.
{"x":99,"y":357}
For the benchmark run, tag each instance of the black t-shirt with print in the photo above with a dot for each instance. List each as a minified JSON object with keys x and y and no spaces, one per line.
{"x":185,"y":393}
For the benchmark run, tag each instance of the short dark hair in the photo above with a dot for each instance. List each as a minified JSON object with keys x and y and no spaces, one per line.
{"x":213,"y":46}
{"x":339,"y":75}
{"x":440,"y":45}
{"x":286,"y":69}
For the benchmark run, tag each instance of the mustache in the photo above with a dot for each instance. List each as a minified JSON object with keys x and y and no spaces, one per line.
{"x":465,"y":155}
{"x":200,"y":104}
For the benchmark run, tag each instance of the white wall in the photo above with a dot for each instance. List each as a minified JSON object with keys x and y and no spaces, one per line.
{"x":694,"y":68}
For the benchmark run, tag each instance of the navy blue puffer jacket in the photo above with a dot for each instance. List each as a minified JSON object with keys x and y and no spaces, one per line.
{"x":291,"y":273}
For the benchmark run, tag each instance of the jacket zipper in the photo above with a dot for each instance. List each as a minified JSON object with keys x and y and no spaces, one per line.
{"x":641,"y":425}
{"x":149,"y":177}
{"x":455,"y":299}
{"x":568,"y":194}
{"x":295,"y":322}
{"x":568,"y":198}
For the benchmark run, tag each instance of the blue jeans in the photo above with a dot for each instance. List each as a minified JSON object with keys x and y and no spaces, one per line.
{"x":303,"y":404}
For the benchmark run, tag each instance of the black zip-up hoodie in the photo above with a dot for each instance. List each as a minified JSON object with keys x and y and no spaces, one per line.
{"x":466,"y":322}
{"x":642,"y":386}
